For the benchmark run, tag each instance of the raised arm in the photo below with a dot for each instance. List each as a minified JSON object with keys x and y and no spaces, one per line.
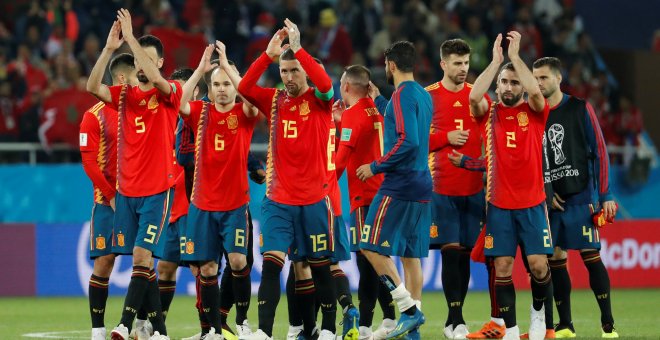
{"x":248,"y":109}
{"x":527,"y":80}
{"x":94,"y":82}
{"x":316,"y":73}
{"x":148,"y":66}
{"x":479,"y":104}
{"x":189,"y":87}
{"x":248,"y":87}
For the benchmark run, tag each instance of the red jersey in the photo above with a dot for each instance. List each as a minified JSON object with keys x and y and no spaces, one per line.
{"x":222,"y":143}
{"x":98,"y":139}
{"x":302,"y":137}
{"x":514,"y":151}
{"x":147,"y":121}
{"x":362,"y":132}
{"x":180,"y":201}
{"x":451,"y":111}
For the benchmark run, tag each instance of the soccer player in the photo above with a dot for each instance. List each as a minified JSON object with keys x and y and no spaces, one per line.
{"x":218,"y":214}
{"x":578,"y":168}
{"x":361,"y":142}
{"x":297,"y":211}
{"x":98,"y":149}
{"x":147,"y":118}
{"x":399,"y":218}
{"x":517,"y":212}
{"x":458,"y":196}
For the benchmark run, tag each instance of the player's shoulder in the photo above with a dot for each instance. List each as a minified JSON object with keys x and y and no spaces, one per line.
{"x":97,"y":109}
{"x":433,"y":87}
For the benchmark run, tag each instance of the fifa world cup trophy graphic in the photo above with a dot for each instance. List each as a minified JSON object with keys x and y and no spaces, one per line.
{"x":556,"y":137}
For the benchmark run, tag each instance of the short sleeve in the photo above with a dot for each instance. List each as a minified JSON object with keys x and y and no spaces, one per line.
{"x":196,"y":107}
{"x":174,"y":98}
{"x":350,"y":129}
{"x":89,"y":133}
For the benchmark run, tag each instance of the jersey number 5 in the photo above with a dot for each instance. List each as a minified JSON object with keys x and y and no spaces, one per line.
{"x":139,"y":125}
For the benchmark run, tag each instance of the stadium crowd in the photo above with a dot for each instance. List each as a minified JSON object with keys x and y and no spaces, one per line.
{"x":48,"y":48}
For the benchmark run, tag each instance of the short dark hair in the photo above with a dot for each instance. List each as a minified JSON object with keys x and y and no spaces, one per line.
{"x":182,"y":74}
{"x":454,"y":46}
{"x":359,"y":75}
{"x":152,"y":41}
{"x":552,"y":62}
{"x":402,"y":53}
{"x":121,"y":62}
{"x":508,"y":66}
{"x":288,"y":55}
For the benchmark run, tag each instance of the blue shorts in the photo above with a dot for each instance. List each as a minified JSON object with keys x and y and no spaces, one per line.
{"x":396,"y":227}
{"x":574,"y":228}
{"x":357,"y":223}
{"x":457,"y":219}
{"x":302,"y":231}
{"x":100,"y":231}
{"x":173,"y":241}
{"x":140,"y":221}
{"x":342,"y":247}
{"x":508,"y":228}
{"x":210,"y":233}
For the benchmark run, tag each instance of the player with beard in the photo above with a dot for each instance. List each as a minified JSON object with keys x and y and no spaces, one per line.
{"x":458,"y":197}
{"x":517,"y":213}
{"x":578,"y":169}
{"x":147,"y":120}
{"x":399,"y":218}
{"x":298,"y":215}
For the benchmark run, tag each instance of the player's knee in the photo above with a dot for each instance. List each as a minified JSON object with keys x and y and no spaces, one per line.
{"x":503,"y":266}
{"x":538,"y":268}
{"x":141,"y":257}
{"x":166,"y":270}
{"x":559,"y":254}
{"x":103,"y":265}
{"x":302,"y":270}
{"x":237,"y":261}
{"x":209,"y":268}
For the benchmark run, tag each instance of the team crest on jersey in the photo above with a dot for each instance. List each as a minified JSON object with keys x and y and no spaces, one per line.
{"x":190,"y":247}
{"x":100,"y":242}
{"x":120,"y":239}
{"x":523,"y":120}
{"x":232,"y":122}
{"x":434,"y":231}
{"x":304,"y":108}
{"x":261,"y":240}
{"x":488,"y":242}
{"x":153,"y":102}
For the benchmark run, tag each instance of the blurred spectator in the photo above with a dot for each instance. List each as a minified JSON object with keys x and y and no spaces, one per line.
{"x":531,"y":44}
{"x":655,"y":46}
{"x":384,"y":38}
{"x":334,"y":43}
{"x":90,"y":53}
{"x":261,"y":35}
{"x":479,"y":44}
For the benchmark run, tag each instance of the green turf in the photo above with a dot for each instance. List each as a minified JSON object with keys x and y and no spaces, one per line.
{"x":636,"y":313}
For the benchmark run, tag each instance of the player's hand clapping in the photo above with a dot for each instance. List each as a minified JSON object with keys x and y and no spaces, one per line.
{"x":124,"y":18}
{"x":205,"y":63}
{"x":292,"y":31}
{"x":514,"y":44}
{"x":114,"y":37}
{"x":275,"y":48}
{"x":498,"y":55}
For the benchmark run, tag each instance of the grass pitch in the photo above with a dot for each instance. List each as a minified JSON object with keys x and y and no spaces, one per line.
{"x":636,"y":313}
